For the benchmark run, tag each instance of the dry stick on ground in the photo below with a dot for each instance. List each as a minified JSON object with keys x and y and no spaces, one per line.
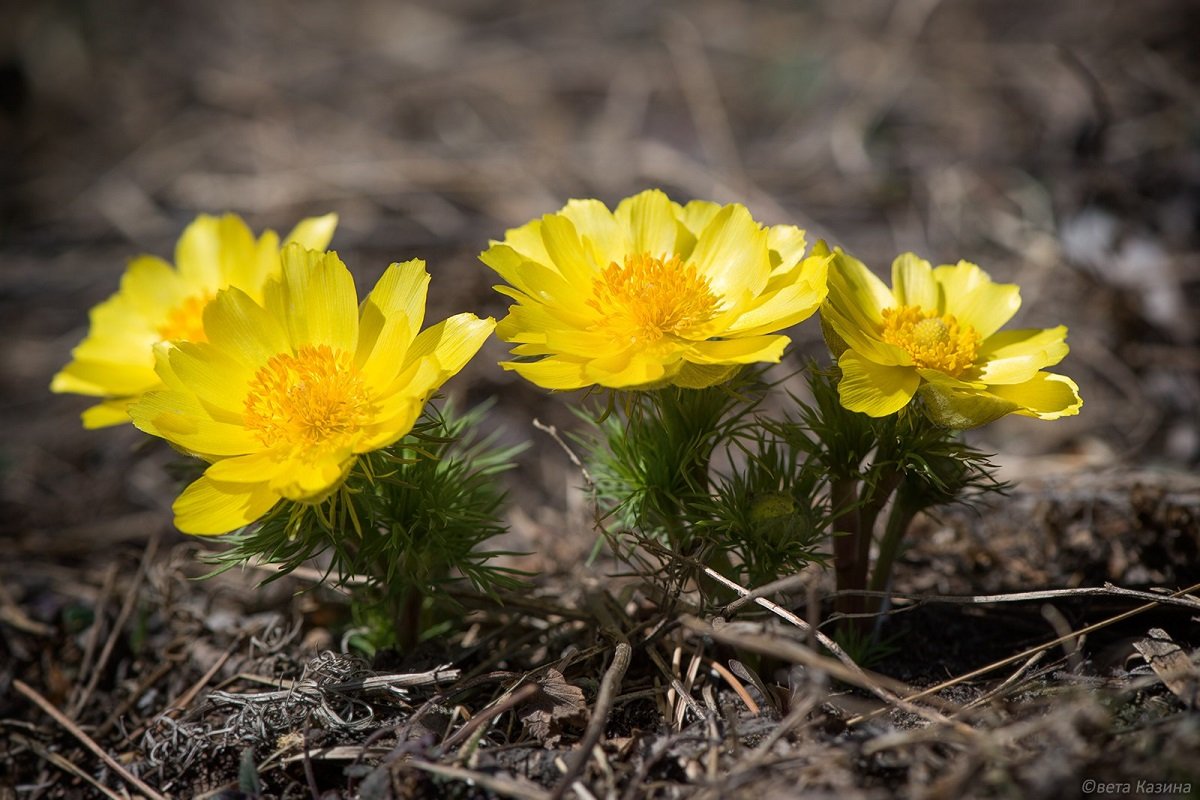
{"x":1009,"y":682}
{"x":674,"y":681}
{"x":505,"y":702}
{"x":85,"y":740}
{"x":853,"y":672}
{"x":118,"y":627}
{"x":79,"y":695}
{"x":610,"y":687}
{"x":66,"y":766}
{"x":791,"y":650}
{"x":1026,"y":653}
{"x":1107,"y":590}
{"x":785,"y":584}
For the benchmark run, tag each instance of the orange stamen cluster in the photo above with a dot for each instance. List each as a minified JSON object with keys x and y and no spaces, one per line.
{"x":311,"y":399}
{"x":934,"y":341}
{"x":648,"y":298}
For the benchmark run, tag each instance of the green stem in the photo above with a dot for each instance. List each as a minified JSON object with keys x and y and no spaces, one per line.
{"x":901,"y":517}
{"x":880,"y":491}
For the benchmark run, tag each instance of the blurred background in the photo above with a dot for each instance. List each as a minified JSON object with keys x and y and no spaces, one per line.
{"x":1055,"y":144}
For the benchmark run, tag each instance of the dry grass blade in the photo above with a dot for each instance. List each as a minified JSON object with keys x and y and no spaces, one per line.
{"x":995,"y":665}
{"x":118,"y":627}
{"x":1178,"y":600}
{"x":1008,"y":683}
{"x":86,"y":740}
{"x":505,"y":702}
{"x":736,"y":685}
{"x":66,"y":766}
{"x":794,"y":651}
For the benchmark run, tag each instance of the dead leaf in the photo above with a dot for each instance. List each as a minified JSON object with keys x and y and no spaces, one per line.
{"x":557,"y":705}
{"x":1173,"y":666}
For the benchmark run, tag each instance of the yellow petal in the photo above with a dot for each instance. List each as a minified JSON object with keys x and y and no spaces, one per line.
{"x":209,"y":250}
{"x":527,"y":242}
{"x":786,"y":244}
{"x":317,"y":298}
{"x":104,"y":378}
{"x":745,"y":350}
{"x":697,"y":215}
{"x":452,"y":342}
{"x":650,"y":220}
{"x":631,"y":369}
{"x":567,"y":254}
{"x":862,"y":340}
{"x":534,"y":280}
{"x":969,"y":294}
{"x":789,"y":304}
{"x":390,"y":430}
{"x":532,"y":322}
{"x":152,"y":288}
{"x":198,"y":253}
{"x":244,"y":330}
{"x":598,"y":230}
{"x":215,"y":377}
{"x":209,"y":508}
{"x":855,"y":292}
{"x":106,"y":414}
{"x":575,"y":342}
{"x":912,"y":282}
{"x":1045,"y":396}
{"x":553,"y":372}
{"x":875,"y":389}
{"x":182,"y":420}
{"x":312,"y":481}
{"x":389,"y":320}
{"x":313,"y":233}
{"x":250,"y":467}
{"x":732,"y":253}
{"x":1016,"y":356}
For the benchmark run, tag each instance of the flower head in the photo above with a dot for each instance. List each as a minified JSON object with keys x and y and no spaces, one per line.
{"x":650,"y":294}
{"x":159,"y":302}
{"x":284,"y":394}
{"x":936,"y":333}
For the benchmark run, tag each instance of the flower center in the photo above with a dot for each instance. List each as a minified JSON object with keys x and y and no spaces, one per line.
{"x":649,"y":298}
{"x":186,"y":320}
{"x":313,"y":398}
{"x":934,"y":342}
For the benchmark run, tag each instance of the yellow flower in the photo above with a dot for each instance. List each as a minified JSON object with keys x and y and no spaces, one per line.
{"x":650,"y":294}
{"x":937,"y":334}
{"x":157,"y":302}
{"x":284,"y":394}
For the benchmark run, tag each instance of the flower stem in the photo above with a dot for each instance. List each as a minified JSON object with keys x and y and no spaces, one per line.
{"x":898,"y":522}
{"x":849,"y":569}
{"x":407,"y":619}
